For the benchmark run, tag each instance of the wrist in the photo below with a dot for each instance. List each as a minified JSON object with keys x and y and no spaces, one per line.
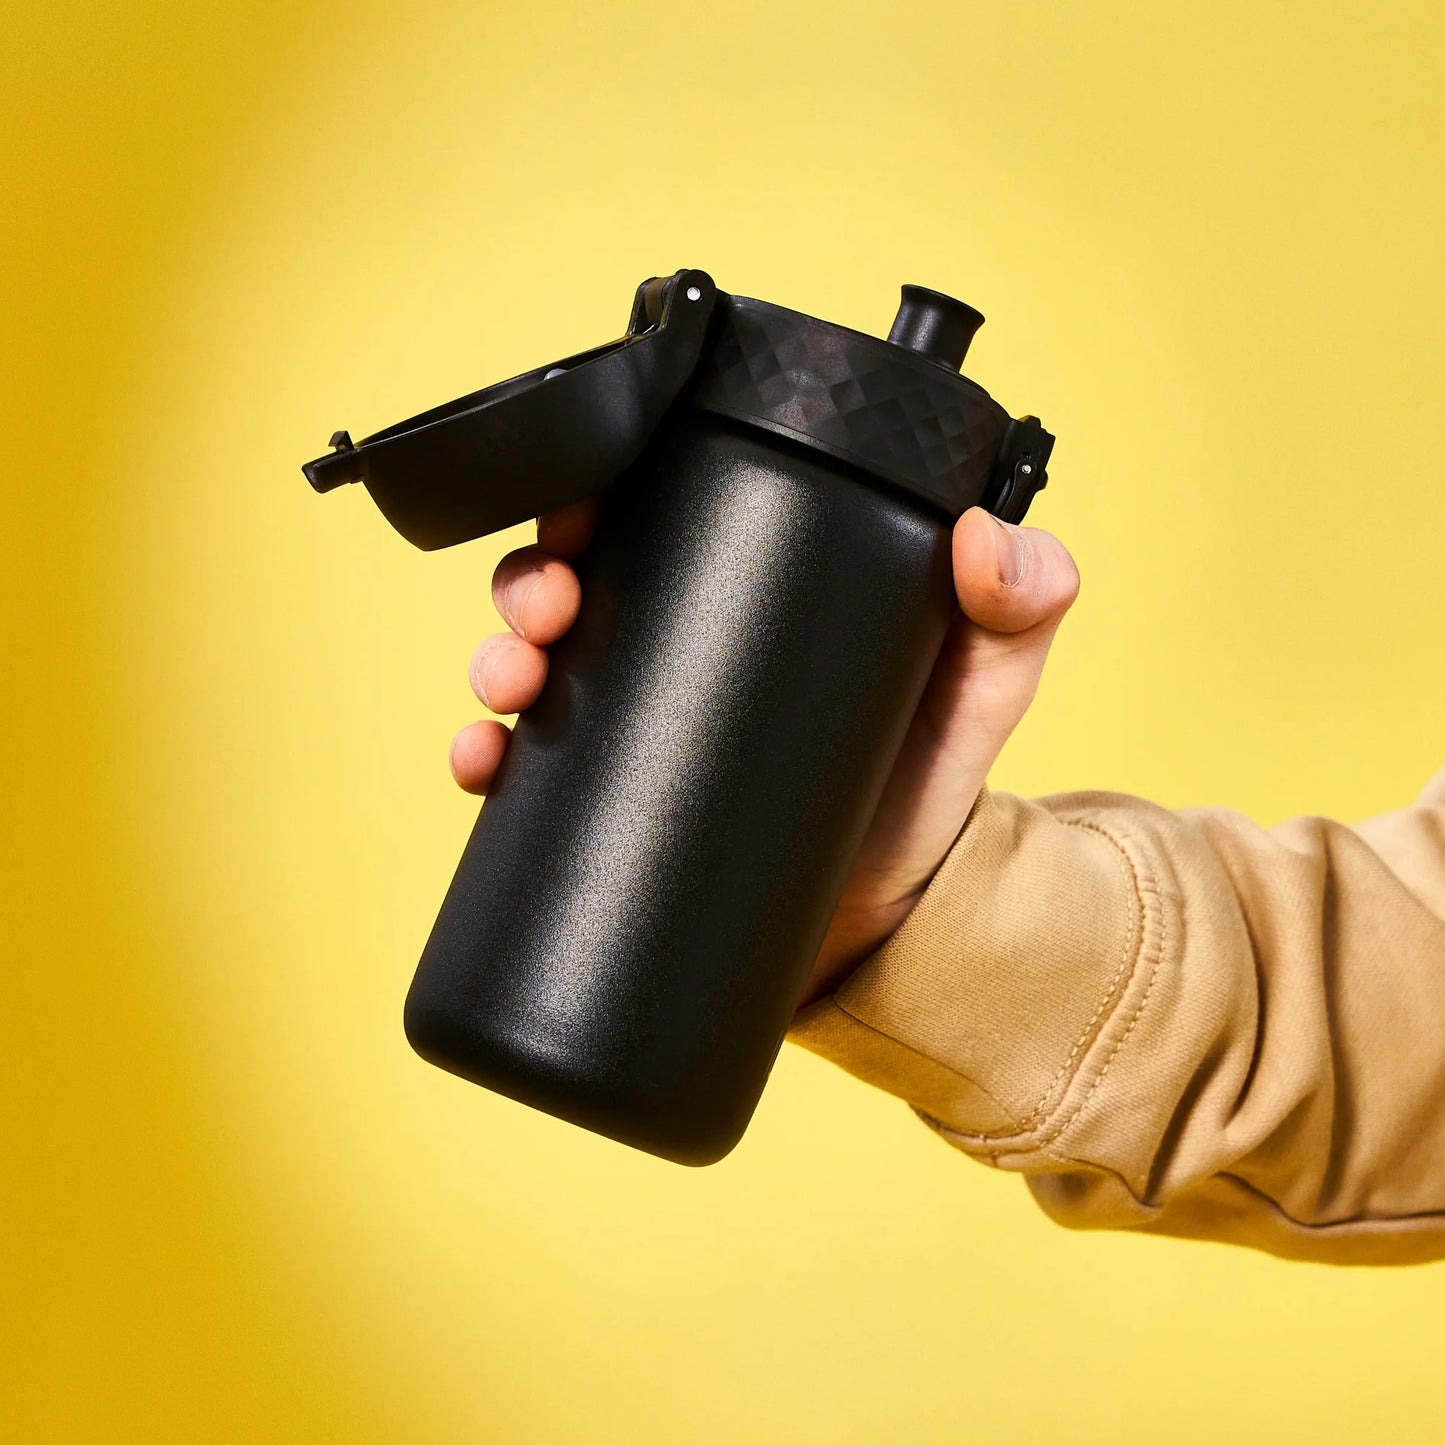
{"x":853,"y":936}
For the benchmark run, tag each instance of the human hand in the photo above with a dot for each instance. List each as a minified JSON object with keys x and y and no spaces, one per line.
{"x":1014,"y":585}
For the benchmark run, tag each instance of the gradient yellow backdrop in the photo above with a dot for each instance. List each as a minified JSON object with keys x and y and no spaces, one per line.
{"x":1207,"y":238}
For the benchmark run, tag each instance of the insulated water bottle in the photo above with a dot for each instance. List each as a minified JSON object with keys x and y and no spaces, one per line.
{"x":654,"y":869}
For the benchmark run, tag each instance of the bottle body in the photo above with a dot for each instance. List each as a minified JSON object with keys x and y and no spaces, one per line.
{"x":648,"y":883}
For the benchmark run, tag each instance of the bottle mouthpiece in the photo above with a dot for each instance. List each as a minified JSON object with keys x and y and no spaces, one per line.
{"x":935,"y":326}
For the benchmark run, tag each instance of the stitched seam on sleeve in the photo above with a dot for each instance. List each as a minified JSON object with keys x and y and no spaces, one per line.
{"x":1126,"y":962}
{"x":927,"y":1058}
{"x":1159,"y":952}
{"x":1042,"y":1135}
{"x":1123,"y":1037}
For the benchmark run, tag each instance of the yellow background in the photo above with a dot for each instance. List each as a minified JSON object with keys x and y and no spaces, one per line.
{"x":1207,"y":238}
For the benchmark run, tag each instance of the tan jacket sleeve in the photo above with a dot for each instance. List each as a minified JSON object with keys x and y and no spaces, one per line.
{"x":1177,"y":1022}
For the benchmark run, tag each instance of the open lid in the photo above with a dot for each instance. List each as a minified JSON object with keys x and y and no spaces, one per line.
{"x":897,"y":408}
{"x":537,"y":441}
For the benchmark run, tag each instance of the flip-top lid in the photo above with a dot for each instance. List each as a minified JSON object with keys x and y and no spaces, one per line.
{"x":552,"y":435}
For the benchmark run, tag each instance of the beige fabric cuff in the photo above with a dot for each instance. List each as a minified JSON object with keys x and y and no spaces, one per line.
{"x":980,"y":1009}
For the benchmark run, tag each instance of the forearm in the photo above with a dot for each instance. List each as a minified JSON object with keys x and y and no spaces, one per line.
{"x":1177,"y":1022}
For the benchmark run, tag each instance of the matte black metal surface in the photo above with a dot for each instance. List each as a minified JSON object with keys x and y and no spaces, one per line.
{"x":647,"y":886}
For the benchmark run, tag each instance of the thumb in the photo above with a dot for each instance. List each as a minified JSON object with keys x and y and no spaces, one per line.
{"x":1010,"y":579}
{"x":1014,"y":586}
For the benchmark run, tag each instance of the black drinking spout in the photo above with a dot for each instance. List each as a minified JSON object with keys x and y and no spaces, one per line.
{"x":935,"y":326}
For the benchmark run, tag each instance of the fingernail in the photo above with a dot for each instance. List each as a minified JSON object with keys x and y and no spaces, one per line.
{"x":1010,"y":552}
{"x":483,"y":669}
{"x":517,"y":594}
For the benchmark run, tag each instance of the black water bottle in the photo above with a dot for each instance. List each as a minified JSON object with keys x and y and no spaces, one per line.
{"x":655,"y":867}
